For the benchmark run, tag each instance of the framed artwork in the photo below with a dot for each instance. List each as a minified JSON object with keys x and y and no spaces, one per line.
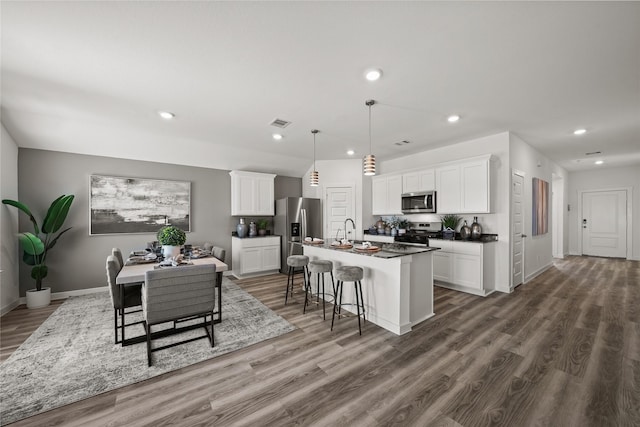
{"x":136,"y":205}
{"x":540,"y":217}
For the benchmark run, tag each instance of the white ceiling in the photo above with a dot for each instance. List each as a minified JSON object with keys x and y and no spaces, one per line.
{"x":89,"y":77}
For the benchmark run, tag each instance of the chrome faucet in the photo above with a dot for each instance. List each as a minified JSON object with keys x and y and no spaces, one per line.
{"x":353,"y":227}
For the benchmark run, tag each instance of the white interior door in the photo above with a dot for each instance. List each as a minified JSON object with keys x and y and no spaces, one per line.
{"x":339,"y":207}
{"x":517,"y":228}
{"x":604,"y":223}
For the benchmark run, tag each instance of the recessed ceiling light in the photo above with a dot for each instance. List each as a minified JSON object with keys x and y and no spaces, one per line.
{"x":373,"y":74}
{"x":166,"y":115}
{"x":579,"y":131}
{"x":453,"y":118}
{"x":351,"y":152}
{"x":277,"y":136}
{"x":599,"y":162}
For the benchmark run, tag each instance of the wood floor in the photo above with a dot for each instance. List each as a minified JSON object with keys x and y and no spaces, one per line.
{"x":562,"y":350}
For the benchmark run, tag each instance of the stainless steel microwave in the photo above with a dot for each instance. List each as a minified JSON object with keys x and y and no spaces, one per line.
{"x":419,"y":202}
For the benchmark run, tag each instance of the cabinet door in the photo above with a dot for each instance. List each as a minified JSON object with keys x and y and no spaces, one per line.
{"x":448,"y":188}
{"x":244,"y":195}
{"x":427,"y":180}
{"x":474,"y":178}
{"x":410,"y":182}
{"x":394,"y":194}
{"x":264,"y":196}
{"x":250,"y":260}
{"x":379,"y":196}
{"x":467,"y":271}
{"x":442,"y":266}
{"x":271,"y":258}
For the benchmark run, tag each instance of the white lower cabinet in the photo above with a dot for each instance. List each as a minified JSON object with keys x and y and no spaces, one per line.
{"x":464,"y":266}
{"x":255,"y":256}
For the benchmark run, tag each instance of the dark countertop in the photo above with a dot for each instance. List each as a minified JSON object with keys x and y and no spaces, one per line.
{"x":256,"y":237}
{"x":484,"y":238}
{"x":388,"y":250}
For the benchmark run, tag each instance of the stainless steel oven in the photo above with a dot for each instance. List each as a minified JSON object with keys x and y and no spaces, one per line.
{"x":419,"y":202}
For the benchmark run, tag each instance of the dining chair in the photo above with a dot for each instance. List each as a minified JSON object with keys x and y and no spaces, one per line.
{"x":219,"y":253}
{"x":132,"y":297}
{"x":173,"y":294}
{"x":116,"y":252}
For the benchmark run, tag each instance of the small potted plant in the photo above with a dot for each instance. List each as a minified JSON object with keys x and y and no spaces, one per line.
{"x":171,"y":238}
{"x":262,"y":224}
{"x":37,"y":245}
{"x":449,"y":224}
{"x":403,"y":225}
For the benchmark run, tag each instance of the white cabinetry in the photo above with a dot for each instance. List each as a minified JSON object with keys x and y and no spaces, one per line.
{"x":424,"y":180}
{"x":255,"y":256}
{"x":386,"y":192}
{"x":252,"y":193}
{"x":464,"y":266}
{"x":464,"y":187}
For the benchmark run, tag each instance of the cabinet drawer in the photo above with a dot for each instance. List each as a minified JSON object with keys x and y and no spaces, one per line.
{"x":444,"y":245}
{"x":467,"y":248}
{"x":259,"y":242}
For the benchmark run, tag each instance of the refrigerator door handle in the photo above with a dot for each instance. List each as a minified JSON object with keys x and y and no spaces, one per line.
{"x":303,"y":214}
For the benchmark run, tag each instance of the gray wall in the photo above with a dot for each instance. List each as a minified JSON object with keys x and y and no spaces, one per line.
{"x":9,"y":261}
{"x":78,"y":260}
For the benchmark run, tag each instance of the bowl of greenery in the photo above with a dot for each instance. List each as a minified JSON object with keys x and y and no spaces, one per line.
{"x":171,"y":238}
{"x":449,"y":224}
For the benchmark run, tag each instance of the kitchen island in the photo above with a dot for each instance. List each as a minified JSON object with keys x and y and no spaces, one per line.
{"x":397,"y":286}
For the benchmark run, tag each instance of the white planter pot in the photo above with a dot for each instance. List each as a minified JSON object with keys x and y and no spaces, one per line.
{"x":38,"y":299}
{"x":170,"y":251}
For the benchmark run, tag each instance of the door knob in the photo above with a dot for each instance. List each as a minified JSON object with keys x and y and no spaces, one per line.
{"x":523,"y":235}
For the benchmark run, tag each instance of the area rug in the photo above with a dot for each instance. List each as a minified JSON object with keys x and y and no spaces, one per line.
{"x":71,"y":356}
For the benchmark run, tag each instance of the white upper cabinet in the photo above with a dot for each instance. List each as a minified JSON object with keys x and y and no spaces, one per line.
{"x":252,"y":193}
{"x":386,"y":195}
{"x":464,"y":187}
{"x":423,"y":180}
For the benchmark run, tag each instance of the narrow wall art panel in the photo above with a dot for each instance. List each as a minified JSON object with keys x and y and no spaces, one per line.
{"x":540,"y":217}
{"x":137,"y":205}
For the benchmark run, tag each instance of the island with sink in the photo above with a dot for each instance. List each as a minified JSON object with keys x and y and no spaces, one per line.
{"x":397,"y":285}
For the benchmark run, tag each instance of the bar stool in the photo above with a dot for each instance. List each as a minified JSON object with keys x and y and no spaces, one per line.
{"x":349,"y":274}
{"x":319,"y":267}
{"x":296,"y":261}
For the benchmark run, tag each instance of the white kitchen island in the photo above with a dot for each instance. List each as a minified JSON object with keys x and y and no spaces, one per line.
{"x":397,"y":286}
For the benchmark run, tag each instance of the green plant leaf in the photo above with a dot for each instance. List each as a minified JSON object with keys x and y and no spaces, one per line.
{"x":24,"y":209}
{"x":31,"y":243}
{"x":29,"y":259}
{"x":56,"y":214}
{"x":39,"y":272}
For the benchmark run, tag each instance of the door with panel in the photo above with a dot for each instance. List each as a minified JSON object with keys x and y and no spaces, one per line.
{"x":517,"y":229}
{"x":338,"y":207}
{"x":604,"y":223}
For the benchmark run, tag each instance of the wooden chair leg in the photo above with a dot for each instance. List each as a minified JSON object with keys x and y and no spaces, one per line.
{"x":148,"y":330}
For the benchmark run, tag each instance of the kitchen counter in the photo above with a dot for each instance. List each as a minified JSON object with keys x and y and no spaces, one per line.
{"x":397,"y":286}
{"x":388,"y":250}
{"x":485,"y":238}
{"x":255,"y":237}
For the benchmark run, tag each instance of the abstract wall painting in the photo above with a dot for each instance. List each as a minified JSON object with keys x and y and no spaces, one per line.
{"x":540,"y":217}
{"x":136,"y":205}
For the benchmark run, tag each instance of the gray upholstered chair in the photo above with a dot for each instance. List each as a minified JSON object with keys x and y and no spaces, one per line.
{"x":116,"y":252}
{"x":219,"y":253}
{"x":131,"y":298}
{"x":177,"y":293}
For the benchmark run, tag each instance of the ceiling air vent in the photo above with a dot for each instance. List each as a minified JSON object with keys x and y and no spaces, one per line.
{"x":279,"y":123}
{"x":593,"y":153}
{"x":401,"y":143}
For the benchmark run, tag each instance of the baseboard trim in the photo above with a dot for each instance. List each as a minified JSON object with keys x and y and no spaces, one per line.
{"x":4,"y":310}
{"x":537,"y":272}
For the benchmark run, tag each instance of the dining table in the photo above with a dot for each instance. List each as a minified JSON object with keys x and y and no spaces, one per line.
{"x":133,"y":274}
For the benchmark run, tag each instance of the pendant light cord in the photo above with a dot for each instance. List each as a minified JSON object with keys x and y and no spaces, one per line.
{"x":369,"y":128}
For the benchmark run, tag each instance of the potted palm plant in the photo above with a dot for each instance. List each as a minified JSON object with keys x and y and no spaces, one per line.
{"x":37,"y":245}
{"x":449,"y":224}
{"x":171,"y":238}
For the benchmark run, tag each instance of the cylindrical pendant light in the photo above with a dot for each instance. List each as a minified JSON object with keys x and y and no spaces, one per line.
{"x":314,"y":178}
{"x":369,"y":161}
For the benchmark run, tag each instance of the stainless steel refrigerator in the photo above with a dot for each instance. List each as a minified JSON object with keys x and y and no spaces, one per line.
{"x":295,"y":219}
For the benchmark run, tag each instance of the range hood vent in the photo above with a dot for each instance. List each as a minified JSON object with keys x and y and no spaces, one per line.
{"x":279,"y":123}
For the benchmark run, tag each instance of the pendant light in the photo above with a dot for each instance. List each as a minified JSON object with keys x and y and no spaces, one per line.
{"x":314,"y":178}
{"x":369,"y":161}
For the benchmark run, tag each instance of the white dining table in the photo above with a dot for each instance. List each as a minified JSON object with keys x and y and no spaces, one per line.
{"x":131,"y":275}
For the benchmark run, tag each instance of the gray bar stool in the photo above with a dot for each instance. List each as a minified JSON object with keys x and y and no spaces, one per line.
{"x":300,"y":262}
{"x":319,"y":267}
{"x":349,"y":274}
